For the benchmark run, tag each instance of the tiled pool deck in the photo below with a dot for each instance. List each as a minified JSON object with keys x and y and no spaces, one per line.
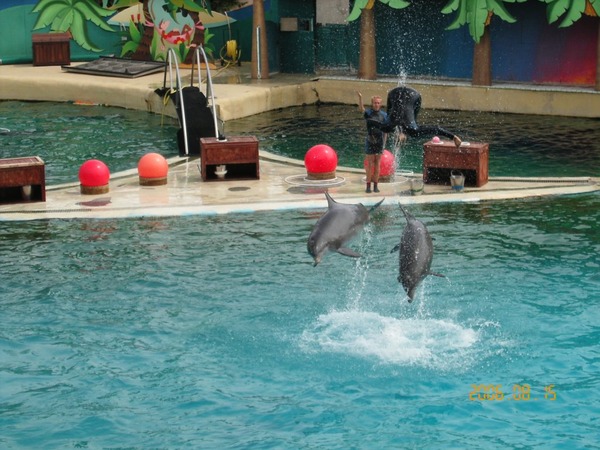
{"x":280,"y":185}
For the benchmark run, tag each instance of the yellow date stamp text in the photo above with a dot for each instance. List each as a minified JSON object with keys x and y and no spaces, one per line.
{"x":518,"y":393}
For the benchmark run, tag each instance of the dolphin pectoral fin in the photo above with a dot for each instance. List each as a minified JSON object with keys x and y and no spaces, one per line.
{"x":347,"y":252}
{"x":435,"y":274}
{"x":395,"y":249}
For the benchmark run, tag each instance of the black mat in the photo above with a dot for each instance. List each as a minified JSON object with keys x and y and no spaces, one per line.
{"x":117,"y":67}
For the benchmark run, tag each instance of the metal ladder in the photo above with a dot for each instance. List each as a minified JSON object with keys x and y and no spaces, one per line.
{"x":172,"y":62}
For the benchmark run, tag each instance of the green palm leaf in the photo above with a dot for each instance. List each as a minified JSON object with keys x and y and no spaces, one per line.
{"x":43,"y":4}
{"x":129,"y":47}
{"x":451,"y":6}
{"x":474,"y":13}
{"x":476,"y":17}
{"x":73,"y":16}
{"x":94,"y":14}
{"x":461,"y":16}
{"x":498,"y":8}
{"x":63,"y":22}
{"x":359,"y":5}
{"x":48,"y":12}
{"x":396,"y":4}
{"x":574,"y":13}
{"x":79,"y":33}
{"x":571,"y":9}
{"x":135,"y":32}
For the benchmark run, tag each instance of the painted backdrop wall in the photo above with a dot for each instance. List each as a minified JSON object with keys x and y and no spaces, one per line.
{"x":411,"y":41}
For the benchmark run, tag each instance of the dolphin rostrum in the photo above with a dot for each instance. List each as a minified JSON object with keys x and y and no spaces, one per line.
{"x":337,"y":226}
{"x":416,"y":253}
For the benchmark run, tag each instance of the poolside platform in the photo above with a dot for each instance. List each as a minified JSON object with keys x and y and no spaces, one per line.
{"x":281,"y":185}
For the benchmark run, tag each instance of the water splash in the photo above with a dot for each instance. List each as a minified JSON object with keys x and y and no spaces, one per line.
{"x":402,"y":76}
{"x":361,"y":269}
{"x":430,"y":343}
{"x":396,"y":147}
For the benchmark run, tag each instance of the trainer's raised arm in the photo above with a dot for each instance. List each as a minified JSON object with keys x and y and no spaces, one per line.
{"x":361,"y":106}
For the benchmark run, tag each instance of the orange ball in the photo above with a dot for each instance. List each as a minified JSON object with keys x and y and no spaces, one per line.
{"x":153,"y":165}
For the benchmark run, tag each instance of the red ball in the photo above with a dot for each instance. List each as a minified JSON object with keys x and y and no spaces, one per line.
{"x":94,"y":173}
{"x":387,"y":164}
{"x":320,"y":158}
{"x":153,"y":165}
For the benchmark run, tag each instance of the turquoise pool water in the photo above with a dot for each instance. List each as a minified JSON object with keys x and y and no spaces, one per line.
{"x":217,"y":332}
{"x":65,"y":135}
{"x":520,"y":145}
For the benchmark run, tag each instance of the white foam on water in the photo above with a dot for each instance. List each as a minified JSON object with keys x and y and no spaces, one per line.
{"x":432,"y":343}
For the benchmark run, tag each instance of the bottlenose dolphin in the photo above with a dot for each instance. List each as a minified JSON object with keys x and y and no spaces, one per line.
{"x":336,"y":227}
{"x":416,"y":253}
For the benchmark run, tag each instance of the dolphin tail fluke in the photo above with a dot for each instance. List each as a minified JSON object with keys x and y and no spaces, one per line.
{"x":376,"y":205}
{"x":348,"y":252}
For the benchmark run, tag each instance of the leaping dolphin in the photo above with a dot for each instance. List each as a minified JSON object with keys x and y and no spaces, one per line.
{"x":416,"y":253}
{"x":337,"y":226}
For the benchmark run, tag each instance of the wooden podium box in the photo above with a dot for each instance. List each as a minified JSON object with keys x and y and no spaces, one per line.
{"x":439,"y":159}
{"x":238,"y":153}
{"x":22,"y":180}
{"x":51,"y":49}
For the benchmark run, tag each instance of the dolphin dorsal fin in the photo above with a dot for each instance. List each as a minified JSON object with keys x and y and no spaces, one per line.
{"x":330,"y":201}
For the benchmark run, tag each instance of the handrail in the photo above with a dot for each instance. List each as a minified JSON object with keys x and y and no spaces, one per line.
{"x":209,"y":86}
{"x":172,"y":59}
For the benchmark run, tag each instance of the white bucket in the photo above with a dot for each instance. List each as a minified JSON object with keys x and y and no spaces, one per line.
{"x":416,"y":186}
{"x":457,"y":180}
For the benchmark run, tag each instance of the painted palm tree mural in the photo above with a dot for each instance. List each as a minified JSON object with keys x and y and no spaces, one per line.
{"x":367,"y":63}
{"x":72,"y":16}
{"x":164,"y":24}
{"x":477,"y":15}
{"x":570,"y":10}
{"x":173,"y":24}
